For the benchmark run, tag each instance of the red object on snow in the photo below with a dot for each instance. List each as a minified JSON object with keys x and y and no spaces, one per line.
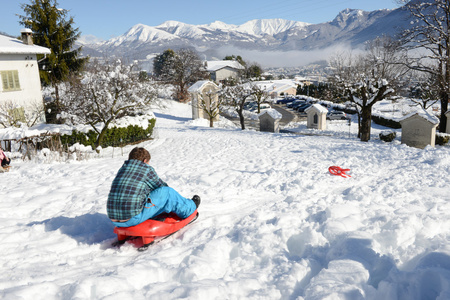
{"x":161,"y":226}
{"x":335,"y":170}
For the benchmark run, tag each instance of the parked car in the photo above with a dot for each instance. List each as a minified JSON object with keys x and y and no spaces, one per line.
{"x":300,"y":103}
{"x":262,"y":107}
{"x":250,"y":104}
{"x":285,"y":100}
{"x":293,"y":103}
{"x":336,"y":115}
{"x":303,"y":107}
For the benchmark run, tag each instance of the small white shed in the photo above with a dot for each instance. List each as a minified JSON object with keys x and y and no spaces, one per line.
{"x":204,"y":96}
{"x":316,"y":117}
{"x":269,"y":121}
{"x":419,"y":129}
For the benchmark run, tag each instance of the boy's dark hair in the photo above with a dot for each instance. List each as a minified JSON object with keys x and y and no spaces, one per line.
{"x":139,"y":153}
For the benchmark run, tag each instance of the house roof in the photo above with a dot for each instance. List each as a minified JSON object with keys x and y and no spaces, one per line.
{"x":318,"y":107}
{"x":423,"y":114}
{"x":274,"y":114}
{"x":10,"y":45}
{"x":276,"y":85}
{"x":215,"y":65}
{"x":199,"y":85}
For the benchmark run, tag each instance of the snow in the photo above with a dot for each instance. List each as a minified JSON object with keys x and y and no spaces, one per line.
{"x":10,"y":45}
{"x":274,"y":114}
{"x":198,"y":86}
{"x":215,"y":65}
{"x":424,"y":114}
{"x":274,"y":223}
{"x":318,"y":107}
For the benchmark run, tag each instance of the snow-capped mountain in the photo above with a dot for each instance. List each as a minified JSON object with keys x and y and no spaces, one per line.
{"x":350,"y":27}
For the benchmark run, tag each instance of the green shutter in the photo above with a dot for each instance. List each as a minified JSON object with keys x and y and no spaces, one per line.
{"x":10,"y":80}
{"x":5,"y":80}
{"x":16,"y":79}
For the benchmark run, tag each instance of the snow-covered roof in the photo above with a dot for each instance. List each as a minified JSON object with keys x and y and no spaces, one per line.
{"x":424,"y":114}
{"x":276,"y":85}
{"x":214,"y":65}
{"x":9,"y":45}
{"x":319,"y":107}
{"x":273,"y":113}
{"x":199,"y":85}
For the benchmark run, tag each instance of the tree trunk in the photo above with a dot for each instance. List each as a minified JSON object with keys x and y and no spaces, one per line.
{"x":101,"y":135}
{"x":241,"y":118}
{"x":211,"y":122}
{"x":444,"y":108}
{"x":366,"y":120}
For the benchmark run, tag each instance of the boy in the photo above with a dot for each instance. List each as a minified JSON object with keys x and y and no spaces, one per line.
{"x":138,"y":194}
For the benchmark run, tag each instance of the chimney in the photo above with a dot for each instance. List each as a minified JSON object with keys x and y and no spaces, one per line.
{"x":27,"y":36}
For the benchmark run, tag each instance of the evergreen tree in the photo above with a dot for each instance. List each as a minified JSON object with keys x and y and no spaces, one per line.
{"x":52,"y":29}
{"x":162,"y":63}
{"x":180,"y":68}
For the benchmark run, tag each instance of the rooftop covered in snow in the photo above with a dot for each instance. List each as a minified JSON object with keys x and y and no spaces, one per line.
{"x":214,"y":65}
{"x":10,"y":45}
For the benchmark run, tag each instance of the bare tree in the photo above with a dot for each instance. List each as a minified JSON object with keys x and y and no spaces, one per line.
{"x":428,"y":45}
{"x":210,"y":102}
{"x":259,"y":94}
{"x":14,"y":115}
{"x":236,"y":96}
{"x":425,"y":91}
{"x":106,"y":91}
{"x":368,"y":78}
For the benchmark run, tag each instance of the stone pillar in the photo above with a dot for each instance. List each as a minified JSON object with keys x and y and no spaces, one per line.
{"x":269,"y":121}
{"x":316,"y":117}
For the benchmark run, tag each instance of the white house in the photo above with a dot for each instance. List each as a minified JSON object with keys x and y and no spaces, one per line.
{"x":223,"y":69}
{"x":278,"y":88}
{"x":20,"y":85}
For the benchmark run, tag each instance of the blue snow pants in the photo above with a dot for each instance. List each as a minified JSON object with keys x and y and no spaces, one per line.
{"x":163,"y":200}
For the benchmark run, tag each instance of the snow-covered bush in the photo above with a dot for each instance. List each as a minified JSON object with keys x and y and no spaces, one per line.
{"x":105,"y":92}
{"x":387,"y":136}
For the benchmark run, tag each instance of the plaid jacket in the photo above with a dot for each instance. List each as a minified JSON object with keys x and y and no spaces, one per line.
{"x":130,"y":189}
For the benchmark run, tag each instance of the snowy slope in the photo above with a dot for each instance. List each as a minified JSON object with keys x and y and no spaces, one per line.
{"x":274,"y":224}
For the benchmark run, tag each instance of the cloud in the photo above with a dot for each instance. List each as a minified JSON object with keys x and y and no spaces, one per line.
{"x":291,"y":58}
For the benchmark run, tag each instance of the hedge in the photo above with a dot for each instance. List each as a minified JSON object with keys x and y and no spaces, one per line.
{"x":114,"y":136}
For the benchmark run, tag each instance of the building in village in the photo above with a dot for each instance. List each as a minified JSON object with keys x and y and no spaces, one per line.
{"x":223,"y":69}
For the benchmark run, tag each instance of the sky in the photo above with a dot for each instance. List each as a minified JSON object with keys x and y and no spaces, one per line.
{"x":106,"y":19}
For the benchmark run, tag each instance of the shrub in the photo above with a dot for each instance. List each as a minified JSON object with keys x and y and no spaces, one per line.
{"x":386,"y":122}
{"x":387,"y":136}
{"x":114,"y":136}
{"x":442,"y":139}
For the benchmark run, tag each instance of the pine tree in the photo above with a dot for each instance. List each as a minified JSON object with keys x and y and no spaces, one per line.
{"x":162,"y":63}
{"x":53,"y":29}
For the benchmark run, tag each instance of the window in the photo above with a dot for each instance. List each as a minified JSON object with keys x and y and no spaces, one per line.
{"x":10,"y":80}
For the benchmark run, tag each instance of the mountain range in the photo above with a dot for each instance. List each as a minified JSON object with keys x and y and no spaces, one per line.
{"x":351,"y":28}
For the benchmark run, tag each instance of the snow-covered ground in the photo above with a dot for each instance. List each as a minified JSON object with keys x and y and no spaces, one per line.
{"x":274,"y":223}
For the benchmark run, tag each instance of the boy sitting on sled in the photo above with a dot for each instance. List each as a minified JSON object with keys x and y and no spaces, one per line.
{"x":138,"y":194}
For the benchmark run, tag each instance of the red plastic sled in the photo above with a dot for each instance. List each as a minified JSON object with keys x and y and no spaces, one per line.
{"x":335,"y":170}
{"x":161,"y":226}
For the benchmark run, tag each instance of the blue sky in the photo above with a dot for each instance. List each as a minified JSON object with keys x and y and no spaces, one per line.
{"x":110,"y":18}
